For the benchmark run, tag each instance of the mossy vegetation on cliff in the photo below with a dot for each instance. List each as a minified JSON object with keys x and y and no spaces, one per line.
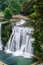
{"x":6,"y":32}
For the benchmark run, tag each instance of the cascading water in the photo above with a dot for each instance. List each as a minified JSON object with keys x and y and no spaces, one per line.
{"x":20,"y":42}
{"x":0,"y":38}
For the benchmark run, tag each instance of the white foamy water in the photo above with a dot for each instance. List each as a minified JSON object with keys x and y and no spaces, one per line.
{"x":20,"y":42}
{"x":20,"y":22}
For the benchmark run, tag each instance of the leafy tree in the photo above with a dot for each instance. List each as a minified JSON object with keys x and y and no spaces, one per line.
{"x":8,"y":13}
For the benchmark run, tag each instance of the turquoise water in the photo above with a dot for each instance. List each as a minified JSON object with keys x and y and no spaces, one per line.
{"x":11,"y":60}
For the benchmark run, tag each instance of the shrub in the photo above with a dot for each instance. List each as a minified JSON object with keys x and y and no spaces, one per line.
{"x":34,"y":15}
{"x":7,"y":13}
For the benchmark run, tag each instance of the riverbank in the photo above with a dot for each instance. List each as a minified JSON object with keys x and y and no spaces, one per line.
{"x":35,"y":63}
{"x":1,"y":63}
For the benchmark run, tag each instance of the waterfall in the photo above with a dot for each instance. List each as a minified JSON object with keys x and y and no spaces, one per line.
{"x":20,"y":42}
{"x":0,"y":38}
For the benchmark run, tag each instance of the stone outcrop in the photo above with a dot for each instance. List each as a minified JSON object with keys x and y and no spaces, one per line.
{"x":19,"y":17}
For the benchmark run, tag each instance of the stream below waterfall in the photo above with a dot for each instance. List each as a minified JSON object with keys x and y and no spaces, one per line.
{"x":12,"y":60}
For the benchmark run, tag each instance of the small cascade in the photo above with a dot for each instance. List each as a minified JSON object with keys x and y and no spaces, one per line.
{"x":0,"y":38}
{"x":20,"y":22}
{"x":20,"y":42}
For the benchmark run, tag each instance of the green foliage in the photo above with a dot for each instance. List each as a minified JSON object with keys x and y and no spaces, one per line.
{"x":28,"y":7}
{"x":6,"y":32}
{"x":35,"y":7}
{"x":38,"y":28}
{"x":15,"y":7}
{"x":3,"y":4}
{"x":34,"y":15}
{"x":8,"y":13}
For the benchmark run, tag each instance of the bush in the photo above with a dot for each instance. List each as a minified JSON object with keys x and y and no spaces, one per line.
{"x":8,"y":13}
{"x":34,"y":15}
